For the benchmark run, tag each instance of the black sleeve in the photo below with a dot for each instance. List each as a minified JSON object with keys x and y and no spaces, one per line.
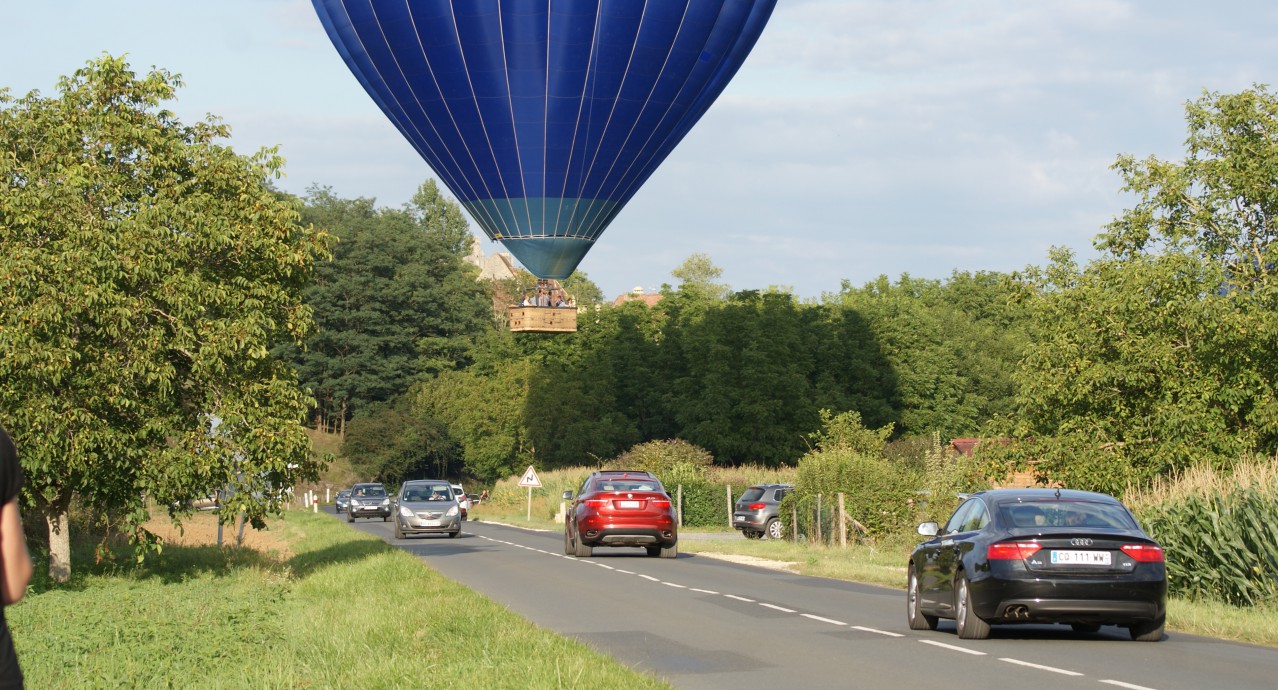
{"x":10,"y":469}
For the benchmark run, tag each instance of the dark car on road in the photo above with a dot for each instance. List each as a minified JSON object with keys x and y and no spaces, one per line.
{"x":342,"y":500}
{"x":621,"y":508}
{"x":368,"y":500}
{"x":427,"y":506}
{"x":1038,"y":556}
{"x":757,"y":512}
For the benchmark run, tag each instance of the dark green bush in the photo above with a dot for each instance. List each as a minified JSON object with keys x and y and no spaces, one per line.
{"x":704,"y":504}
{"x":876,"y":494}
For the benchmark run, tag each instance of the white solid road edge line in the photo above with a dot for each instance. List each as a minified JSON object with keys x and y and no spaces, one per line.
{"x":1053,"y":669}
{"x":965,"y":650}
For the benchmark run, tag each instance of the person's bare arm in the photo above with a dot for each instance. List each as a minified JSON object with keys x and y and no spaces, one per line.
{"x":15,"y":562}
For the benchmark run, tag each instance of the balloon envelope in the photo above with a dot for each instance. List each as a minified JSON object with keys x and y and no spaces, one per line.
{"x":544,"y":117}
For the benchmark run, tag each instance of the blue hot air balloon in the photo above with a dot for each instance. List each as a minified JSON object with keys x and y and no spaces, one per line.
{"x":544,"y":117}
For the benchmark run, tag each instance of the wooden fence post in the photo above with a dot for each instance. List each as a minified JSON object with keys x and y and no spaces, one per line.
{"x":818,"y":521}
{"x":728,"y":487}
{"x":794,"y":523}
{"x":843,"y":524}
{"x":680,"y":504}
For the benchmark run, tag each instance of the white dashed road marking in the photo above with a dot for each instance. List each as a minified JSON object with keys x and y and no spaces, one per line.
{"x":1053,"y":669}
{"x":965,"y":650}
{"x":876,"y":631}
{"x":1129,"y":686}
{"x":831,"y":621}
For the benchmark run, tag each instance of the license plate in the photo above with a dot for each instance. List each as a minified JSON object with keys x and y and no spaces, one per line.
{"x":740,"y":518}
{"x":1080,"y":558}
{"x":633,"y":505}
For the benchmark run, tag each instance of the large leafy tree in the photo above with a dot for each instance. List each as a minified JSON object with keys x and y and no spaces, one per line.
{"x":391,"y":444}
{"x":395,"y":305}
{"x":483,"y":410}
{"x":745,"y":392}
{"x":949,"y":345}
{"x":145,"y":273}
{"x":1161,"y":352}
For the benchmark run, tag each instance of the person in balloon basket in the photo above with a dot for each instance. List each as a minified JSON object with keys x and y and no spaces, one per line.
{"x":15,"y":562}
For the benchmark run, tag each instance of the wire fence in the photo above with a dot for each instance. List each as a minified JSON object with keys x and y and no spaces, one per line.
{"x":823,"y":518}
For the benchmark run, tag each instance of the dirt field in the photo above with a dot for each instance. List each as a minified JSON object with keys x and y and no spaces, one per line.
{"x":201,"y":530}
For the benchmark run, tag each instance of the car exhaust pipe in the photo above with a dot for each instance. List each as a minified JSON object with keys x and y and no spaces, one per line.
{"x":1017,"y":612}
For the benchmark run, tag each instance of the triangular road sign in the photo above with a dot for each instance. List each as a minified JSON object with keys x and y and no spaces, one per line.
{"x":530,"y":478}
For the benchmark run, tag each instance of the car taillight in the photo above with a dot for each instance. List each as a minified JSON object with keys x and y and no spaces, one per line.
{"x":596,"y":502}
{"x":1012,"y":550}
{"x":756,"y":506}
{"x":661,"y":502}
{"x":1144,"y":553}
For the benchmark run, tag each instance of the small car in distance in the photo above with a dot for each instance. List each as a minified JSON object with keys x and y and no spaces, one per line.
{"x":757,"y":512}
{"x":342,"y":500}
{"x":426,"y":506}
{"x":368,"y":500}
{"x":621,"y":508}
{"x":1038,"y":556}
{"x":462,"y":500}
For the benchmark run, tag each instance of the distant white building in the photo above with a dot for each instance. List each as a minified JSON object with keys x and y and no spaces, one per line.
{"x":498,"y":266}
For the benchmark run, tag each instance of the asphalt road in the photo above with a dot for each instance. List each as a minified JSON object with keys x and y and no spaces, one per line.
{"x":700,"y":622}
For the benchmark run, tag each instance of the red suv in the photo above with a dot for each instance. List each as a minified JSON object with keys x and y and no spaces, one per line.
{"x":621,"y":508}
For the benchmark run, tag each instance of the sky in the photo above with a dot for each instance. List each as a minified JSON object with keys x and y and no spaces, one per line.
{"x":860,"y":138}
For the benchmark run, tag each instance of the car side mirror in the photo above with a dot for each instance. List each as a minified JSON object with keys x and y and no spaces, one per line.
{"x":567,"y":495}
{"x":929,"y":529}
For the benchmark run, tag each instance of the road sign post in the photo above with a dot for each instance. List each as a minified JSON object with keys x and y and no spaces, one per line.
{"x":530,"y":480}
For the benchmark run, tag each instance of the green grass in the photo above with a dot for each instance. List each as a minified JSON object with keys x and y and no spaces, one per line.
{"x":884,"y":564}
{"x":343,"y":610}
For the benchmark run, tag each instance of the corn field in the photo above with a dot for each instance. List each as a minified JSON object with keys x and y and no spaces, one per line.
{"x":1217,"y":531}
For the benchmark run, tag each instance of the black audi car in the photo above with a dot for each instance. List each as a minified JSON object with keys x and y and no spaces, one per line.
{"x":1038,"y":556}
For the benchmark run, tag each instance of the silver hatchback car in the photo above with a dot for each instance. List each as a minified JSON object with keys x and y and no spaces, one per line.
{"x":427,"y":506}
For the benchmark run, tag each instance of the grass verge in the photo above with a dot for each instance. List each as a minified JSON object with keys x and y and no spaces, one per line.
{"x":342,"y":609}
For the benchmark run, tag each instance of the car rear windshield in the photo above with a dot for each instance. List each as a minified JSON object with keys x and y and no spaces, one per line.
{"x":1053,"y":513}
{"x":753,"y":493}
{"x":630,"y":485}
